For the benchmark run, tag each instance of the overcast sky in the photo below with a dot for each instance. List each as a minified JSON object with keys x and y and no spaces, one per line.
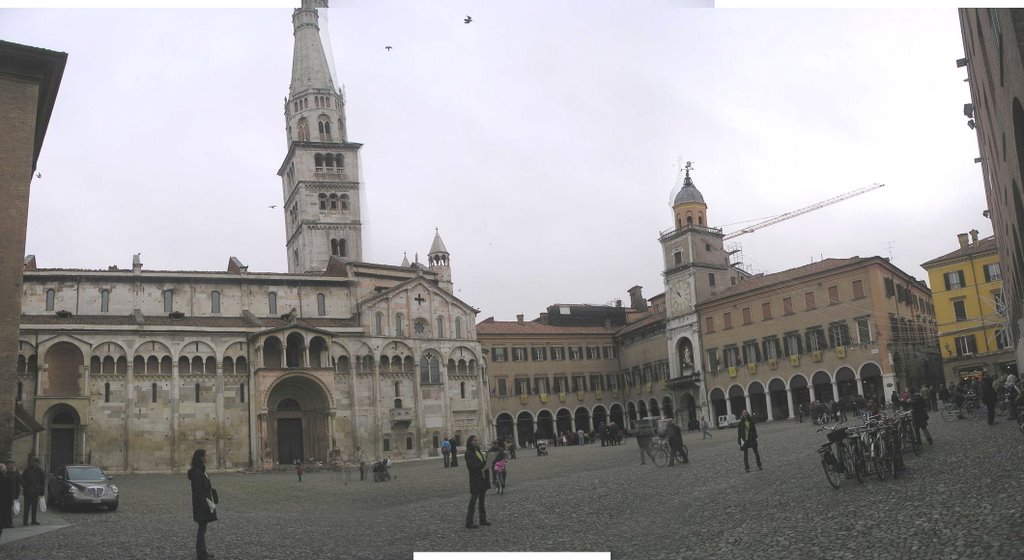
{"x":541,"y":139}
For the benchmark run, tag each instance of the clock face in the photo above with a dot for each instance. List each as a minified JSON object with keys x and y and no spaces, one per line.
{"x":680,"y":295}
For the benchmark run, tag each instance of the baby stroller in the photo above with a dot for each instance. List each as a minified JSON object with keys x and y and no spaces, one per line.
{"x":381,"y":470}
{"x":542,"y":447}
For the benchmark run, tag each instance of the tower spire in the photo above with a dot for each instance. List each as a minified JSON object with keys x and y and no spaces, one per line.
{"x":321,"y":164}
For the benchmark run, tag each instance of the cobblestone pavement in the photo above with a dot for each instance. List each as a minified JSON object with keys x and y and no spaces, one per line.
{"x":962,"y":498}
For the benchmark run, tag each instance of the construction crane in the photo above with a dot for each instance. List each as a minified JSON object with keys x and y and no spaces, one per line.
{"x":811,"y":208}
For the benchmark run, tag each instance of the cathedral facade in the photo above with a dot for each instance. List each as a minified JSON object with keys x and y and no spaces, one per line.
{"x":133,"y":369}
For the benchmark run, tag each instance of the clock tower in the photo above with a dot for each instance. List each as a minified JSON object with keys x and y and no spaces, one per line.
{"x":696,"y":267}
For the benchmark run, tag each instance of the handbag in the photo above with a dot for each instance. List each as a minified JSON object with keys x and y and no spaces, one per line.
{"x":211,"y":504}
{"x":42,"y":504}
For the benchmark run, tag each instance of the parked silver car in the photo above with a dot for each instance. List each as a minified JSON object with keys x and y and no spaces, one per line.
{"x":82,"y":485}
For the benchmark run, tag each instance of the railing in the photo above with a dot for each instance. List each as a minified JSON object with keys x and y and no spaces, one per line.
{"x":401,"y":415}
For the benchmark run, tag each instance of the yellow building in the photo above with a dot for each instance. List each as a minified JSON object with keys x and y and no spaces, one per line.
{"x":970,"y":310}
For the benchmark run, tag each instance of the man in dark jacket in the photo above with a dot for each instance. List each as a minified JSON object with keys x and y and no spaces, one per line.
{"x":675,"y":442}
{"x":33,"y":483}
{"x":746,"y":434}
{"x":14,"y":480}
{"x":644,"y":435}
{"x":988,"y":396}
{"x":919,"y":413}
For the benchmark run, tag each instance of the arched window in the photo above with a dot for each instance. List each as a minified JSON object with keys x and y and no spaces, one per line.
{"x":342,"y":248}
{"x":168,"y":301}
{"x":106,"y":392}
{"x":215,"y":302}
{"x":430,"y":371}
{"x":344,"y":201}
{"x":334,"y":246}
{"x":323,"y":201}
{"x":399,"y":320}
{"x":303,"y":130}
{"x":440,"y":327}
{"x":327,"y":129}
{"x":458,"y":327}
{"x":241,"y":392}
{"x":324,"y":126}
{"x":272,"y":303}
{"x":398,"y":391}
{"x":462,"y":389}
{"x":318,"y":162}
{"x":153,"y":392}
{"x":199,"y":389}
{"x":321,"y":304}
{"x":334,"y":201}
{"x":320,"y":125}
{"x":50,"y":295}
{"x":339,"y":160}
{"x":104,"y":301}
{"x":329,"y":161}
{"x":379,"y":324}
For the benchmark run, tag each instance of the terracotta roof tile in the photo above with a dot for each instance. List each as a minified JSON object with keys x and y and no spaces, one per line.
{"x":783,"y":277}
{"x":987,"y":245}
{"x":490,"y":327}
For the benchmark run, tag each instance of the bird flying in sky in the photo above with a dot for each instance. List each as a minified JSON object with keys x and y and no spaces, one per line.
{"x":388,"y":48}
{"x":467,"y":20}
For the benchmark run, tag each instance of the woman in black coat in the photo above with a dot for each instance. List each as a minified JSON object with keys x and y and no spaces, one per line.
{"x":202,"y":496}
{"x":7,"y":498}
{"x":478,"y":482}
{"x":746,"y":434}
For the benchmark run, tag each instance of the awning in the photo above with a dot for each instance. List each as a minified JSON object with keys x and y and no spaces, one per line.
{"x":24,"y":423}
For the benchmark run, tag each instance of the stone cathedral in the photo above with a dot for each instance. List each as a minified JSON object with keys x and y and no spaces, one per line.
{"x":133,"y":369}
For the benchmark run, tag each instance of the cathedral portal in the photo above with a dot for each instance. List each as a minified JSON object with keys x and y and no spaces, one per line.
{"x":298,"y":420}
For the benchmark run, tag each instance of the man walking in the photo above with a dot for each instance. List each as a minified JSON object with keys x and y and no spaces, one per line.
{"x":988,"y":396}
{"x":675,"y":442}
{"x":644,"y":433}
{"x":704,"y":428}
{"x":446,"y":451}
{"x":746,"y":434}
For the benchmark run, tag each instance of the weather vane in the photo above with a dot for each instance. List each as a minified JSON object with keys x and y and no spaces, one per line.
{"x":688,"y":166}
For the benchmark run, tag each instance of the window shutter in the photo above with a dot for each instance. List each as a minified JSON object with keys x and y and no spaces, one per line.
{"x":945,"y":277}
{"x":960,"y":275}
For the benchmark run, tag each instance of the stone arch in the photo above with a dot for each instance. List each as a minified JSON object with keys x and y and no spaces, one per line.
{"x":758,"y":401}
{"x":62,"y":437}
{"x":641,"y":409}
{"x":295,"y":350}
{"x":319,"y":353}
{"x":631,"y":414}
{"x":504,"y":426}
{"x":801,"y":391}
{"x":341,"y":358}
{"x":684,"y":353}
{"x":524,"y":425}
{"x":430,"y":366}
{"x":273,"y":353}
{"x":653,"y":407}
{"x":717,"y":398}
{"x":777,"y":398}
{"x":582,"y":418}
{"x":690,"y":407}
{"x":563,"y":420}
{"x":63,"y":364}
{"x":545,"y":425}
{"x":298,"y":408}
{"x":846,"y":381}
{"x":822,"y":382}
{"x":600,"y":416}
{"x":737,"y":399}
{"x":871,"y":382}
{"x":239,"y":361}
{"x":615,"y":414}
{"x":668,"y":410}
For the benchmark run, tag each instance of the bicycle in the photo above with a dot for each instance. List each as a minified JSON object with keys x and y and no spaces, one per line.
{"x":842,"y":466}
{"x":905,"y":430}
{"x":663,"y":452}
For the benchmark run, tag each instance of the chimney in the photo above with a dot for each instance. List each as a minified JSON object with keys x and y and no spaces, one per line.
{"x":974,"y":237}
{"x":636,"y":298}
{"x":519,"y":318}
{"x":962,"y":238}
{"x":544,"y":318}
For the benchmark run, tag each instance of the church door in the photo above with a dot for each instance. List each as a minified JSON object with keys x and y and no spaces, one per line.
{"x":62,"y":448}
{"x":289,"y":440}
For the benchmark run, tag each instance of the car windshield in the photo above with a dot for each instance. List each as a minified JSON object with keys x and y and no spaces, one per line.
{"x":85,"y":473}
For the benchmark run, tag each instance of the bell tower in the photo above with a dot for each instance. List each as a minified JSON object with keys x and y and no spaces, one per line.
{"x":320,"y":174}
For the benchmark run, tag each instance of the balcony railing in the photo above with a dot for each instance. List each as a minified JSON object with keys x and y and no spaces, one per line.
{"x":401,"y":415}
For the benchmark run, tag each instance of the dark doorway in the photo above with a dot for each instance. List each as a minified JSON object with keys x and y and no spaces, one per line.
{"x":62,"y":448}
{"x":289,"y":440}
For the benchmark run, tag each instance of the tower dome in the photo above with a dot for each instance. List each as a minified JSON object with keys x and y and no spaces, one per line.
{"x":688,"y":207}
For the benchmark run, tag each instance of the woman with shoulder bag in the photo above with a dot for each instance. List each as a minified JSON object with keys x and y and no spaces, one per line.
{"x":478,"y":482}
{"x":204,"y":501}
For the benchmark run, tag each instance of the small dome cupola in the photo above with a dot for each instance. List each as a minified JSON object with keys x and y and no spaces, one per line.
{"x":688,"y":207}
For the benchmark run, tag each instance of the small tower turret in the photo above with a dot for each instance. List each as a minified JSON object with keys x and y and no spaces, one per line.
{"x":688,"y":206}
{"x":439,"y":262}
